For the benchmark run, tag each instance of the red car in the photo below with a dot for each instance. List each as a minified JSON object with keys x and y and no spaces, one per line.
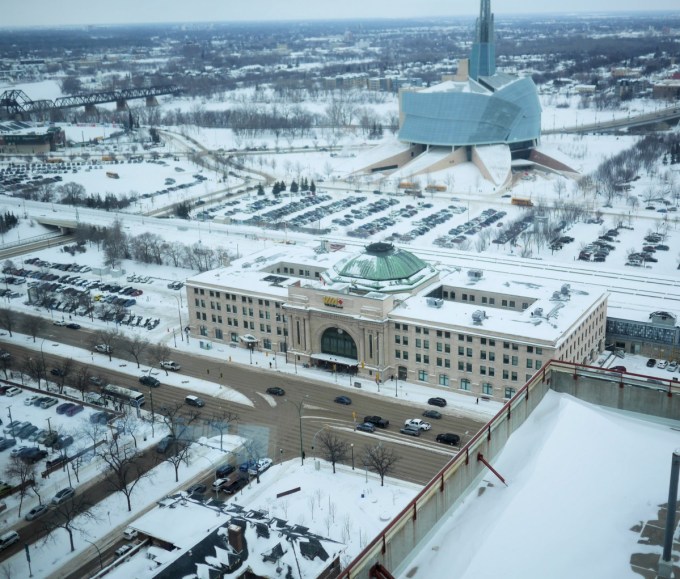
{"x":618,"y":368}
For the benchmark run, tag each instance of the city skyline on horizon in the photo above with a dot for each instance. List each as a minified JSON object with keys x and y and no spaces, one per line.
{"x":79,"y":12}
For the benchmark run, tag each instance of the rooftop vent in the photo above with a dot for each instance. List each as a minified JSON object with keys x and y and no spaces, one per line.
{"x":557,"y":296}
{"x":537,"y":313}
{"x":566,"y":288}
{"x":478,"y":316}
{"x":435,"y":302}
{"x":475,"y":274}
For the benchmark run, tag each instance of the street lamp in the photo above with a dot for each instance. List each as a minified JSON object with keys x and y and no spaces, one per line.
{"x":9,"y":412}
{"x":352,"y":447}
{"x":101,"y":563}
{"x":299,"y":406}
{"x":179,"y":313}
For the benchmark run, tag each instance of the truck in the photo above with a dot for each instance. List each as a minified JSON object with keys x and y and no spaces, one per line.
{"x":522,"y":202}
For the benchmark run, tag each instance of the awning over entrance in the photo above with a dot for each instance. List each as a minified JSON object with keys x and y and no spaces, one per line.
{"x":248,"y":339}
{"x":335,"y":359}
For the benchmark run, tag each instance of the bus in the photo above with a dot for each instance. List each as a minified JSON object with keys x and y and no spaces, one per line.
{"x":125,"y":395}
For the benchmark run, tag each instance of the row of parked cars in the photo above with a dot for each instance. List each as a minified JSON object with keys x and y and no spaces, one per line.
{"x":671,"y":366}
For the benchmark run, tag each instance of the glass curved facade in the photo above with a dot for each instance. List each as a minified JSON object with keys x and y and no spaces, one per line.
{"x":509,"y":115}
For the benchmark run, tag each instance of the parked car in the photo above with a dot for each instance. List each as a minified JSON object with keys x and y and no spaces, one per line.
{"x":410,"y":430}
{"x":170,"y":365}
{"x":276,"y":391}
{"x":8,"y":539}
{"x":651,"y":363}
{"x":102,"y":348}
{"x":377,"y":421}
{"x":75,"y":409}
{"x":63,"y":495}
{"x":672,"y":367}
{"x":418,"y":423}
{"x":29,"y":400}
{"x":165,"y":443}
{"x":197,"y":489}
{"x":59,"y":323}
{"x":121,"y":551}
{"x":57,"y":372}
{"x":63,"y":407}
{"x":437,"y":401}
{"x":13,"y":391}
{"x":260,"y":466}
{"x":149,"y":381}
{"x":224,"y":471}
{"x":63,"y":440}
{"x":432,"y":414}
{"x":33,"y":455}
{"x":448,"y":438}
{"x":219,"y":483}
{"x":346,"y":400}
{"x":48,"y":401}
{"x":73,"y":326}
{"x":618,"y":368}
{"x":365,"y":427}
{"x":36,"y":512}
{"x":130,"y":533}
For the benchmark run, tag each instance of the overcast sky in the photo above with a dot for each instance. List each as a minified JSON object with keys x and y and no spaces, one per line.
{"x":59,"y":12}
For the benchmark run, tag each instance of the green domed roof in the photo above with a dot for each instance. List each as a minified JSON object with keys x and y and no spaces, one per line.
{"x":382,"y":262}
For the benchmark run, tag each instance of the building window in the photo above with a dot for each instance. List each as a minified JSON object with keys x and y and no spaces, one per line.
{"x":468,"y":367}
{"x":539,"y":351}
{"x":267,"y":344}
{"x":397,"y":354}
{"x":397,"y":339}
{"x":440,"y":348}
{"x":461,"y":350}
{"x":443,"y":379}
{"x":426,"y":344}
{"x":418,"y":358}
{"x":506,"y":374}
{"x":513,"y":376}
{"x":461,"y":366}
{"x":218,"y":334}
{"x":447,"y":363}
{"x":492,"y":371}
{"x":203,"y":331}
{"x":405,"y":341}
{"x":492,"y":356}
{"x":509,"y":392}
{"x":419,"y":343}
{"x":487,"y":388}
{"x":426,"y":359}
{"x":422,"y":375}
{"x":405,"y":356}
{"x":464,"y":384}
{"x":234,"y":338}
{"x":515,"y":361}
{"x":538,"y":364}
{"x":506,"y":358}
{"x":529,"y":365}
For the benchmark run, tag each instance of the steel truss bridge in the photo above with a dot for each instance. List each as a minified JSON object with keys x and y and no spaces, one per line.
{"x":16,"y":103}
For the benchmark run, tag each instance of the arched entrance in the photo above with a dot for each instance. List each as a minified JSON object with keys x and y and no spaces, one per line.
{"x":337,"y":342}
{"x":338,"y":351}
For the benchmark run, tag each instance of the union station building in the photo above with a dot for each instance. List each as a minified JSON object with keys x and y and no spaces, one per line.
{"x":385,"y":314}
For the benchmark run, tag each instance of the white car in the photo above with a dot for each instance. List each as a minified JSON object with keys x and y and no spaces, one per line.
{"x":170,"y":365}
{"x":13,"y":391}
{"x":418,"y":423}
{"x":662,"y":364}
{"x":261,"y":465}
{"x":103,"y":348}
{"x":672,"y":367}
{"x":59,"y":323}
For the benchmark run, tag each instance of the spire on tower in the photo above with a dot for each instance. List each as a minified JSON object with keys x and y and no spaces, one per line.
{"x":483,"y":56}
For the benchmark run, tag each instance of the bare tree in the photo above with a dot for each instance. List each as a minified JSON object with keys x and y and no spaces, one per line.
{"x":122,"y":465}
{"x":381,"y":460}
{"x":62,"y":372}
{"x":24,"y":472}
{"x":180,"y":423}
{"x":159,"y":352}
{"x":222,"y":422}
{"x":333,"y":448}
{"x":35,"y":368}
{"x":73,"y":516}
{"x":33,"y":326}
{"x":135,"y":347}
{"x":109,"y":338}
{"x":8,"y":320}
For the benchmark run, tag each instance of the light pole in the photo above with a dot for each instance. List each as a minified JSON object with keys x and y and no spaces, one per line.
{"x":179,"y":313}
{"x":352,"y":447}
{"x":299,"y":406}
{"x":101,"y":563}
{"x":9,"y":412}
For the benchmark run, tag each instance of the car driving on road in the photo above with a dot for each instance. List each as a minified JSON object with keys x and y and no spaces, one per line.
{"x":418,"y":423}
{"x":410,"y":430}
{"x":365,"y":427}
{"x":448,"y":438}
